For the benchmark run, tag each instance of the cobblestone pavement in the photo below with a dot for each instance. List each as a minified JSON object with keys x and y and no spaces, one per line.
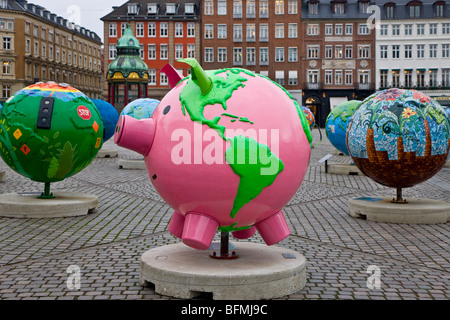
{"x":414,"y":260}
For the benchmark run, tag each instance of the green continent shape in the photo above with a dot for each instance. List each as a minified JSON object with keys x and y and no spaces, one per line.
{"x":248,"y":159}
{"x":345,"y":113}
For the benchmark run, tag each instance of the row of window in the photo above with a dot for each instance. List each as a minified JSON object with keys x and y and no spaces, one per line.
{"x":154,"y":8}
{"x":250,"y":31}
{"x":152,"y":29}
{"x":250,"y":8}
{"x":337,"y":7}
{"x":250,"y":56}
{"x":337,"y":78}
{"x":414,"y":78}
{"x":339,"y":29}
{"x":338,"y":51}
{"x":414,"y":9}
{"x":433,"y":29}
{"x":162,"y":49}
{"x":420,"y":52}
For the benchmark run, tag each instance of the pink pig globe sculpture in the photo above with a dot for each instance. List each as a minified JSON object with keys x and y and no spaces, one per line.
{"x":226,"y":149}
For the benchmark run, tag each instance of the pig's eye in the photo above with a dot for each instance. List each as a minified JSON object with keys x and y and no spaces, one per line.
{"x":166,"y":110}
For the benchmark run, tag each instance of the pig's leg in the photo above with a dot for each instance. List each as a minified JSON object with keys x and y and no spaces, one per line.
{"x":244,"y":234}
{"x":176,"y":224}
{"x":199,"y":230}
{"x":273,"y":229}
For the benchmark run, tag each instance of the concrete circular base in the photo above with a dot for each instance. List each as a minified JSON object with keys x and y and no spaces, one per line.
{"x":260,"y":272}
{"x":107,"y":153}
{"x":343,"y":169}
{"x":28,"y":205}
{"x":416,"y":211}
{"x":2,"y":176}
{"x":447,"y":165}
{"x":132,"y":164}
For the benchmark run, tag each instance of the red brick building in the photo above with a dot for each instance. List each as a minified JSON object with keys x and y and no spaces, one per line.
{"x":166,"y":32}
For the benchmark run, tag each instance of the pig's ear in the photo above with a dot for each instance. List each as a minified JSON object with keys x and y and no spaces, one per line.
{"x":199,"y":75}
{"x":172,"y":74}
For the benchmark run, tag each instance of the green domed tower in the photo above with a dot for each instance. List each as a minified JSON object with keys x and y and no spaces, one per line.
{"x":128,"y":74}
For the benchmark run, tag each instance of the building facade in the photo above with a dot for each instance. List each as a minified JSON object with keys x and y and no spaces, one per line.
{"x":338,"y":54}
{"x":263,"y":36}
{"x":413,"y":47}
{"x":37,"y":45}
{"x":167,"y":32}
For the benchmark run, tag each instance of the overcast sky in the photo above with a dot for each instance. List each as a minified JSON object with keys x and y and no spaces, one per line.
{"x":86,"y":13}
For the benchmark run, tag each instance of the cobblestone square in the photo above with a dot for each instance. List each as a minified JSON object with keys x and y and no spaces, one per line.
{"x":413,"y":260}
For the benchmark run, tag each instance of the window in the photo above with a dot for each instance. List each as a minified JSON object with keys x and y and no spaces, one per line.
{"x":209,"y":31}
{"x":151,"y":29}
{"x":293,"y":54}
{"x":279,"y":6}
{"x":446,"y":50}
{"x":293,"y":78}
{"x":292,"y":30}
{"x":27,"y":27}
{"x":189,"y":8}
{"x":421,"y":29}
{"x":446,"y":28}
{"x":179,"y":29}
{"x":152,"y":51}
{"x":383,"y":79}
{"x":209,"y":54}
{"x":408,"y":51}
{"x":349,"y":29}
{"x":328,"y":52}
{"x":279,"y":77}
{"x":237,"y":56}
{"x":264,"y":56}
{"x":408,"y":79}
{"x":237,"y":9}
{"x":313,"y":30}
{"x":279,"y":30}
{"x":313,"y":7}
{"x":163,"y":29}
{"x":237,"y":33}
{"x":27,"y":45}
{"x":178,"y":51}
{"x":191,"y":29}
{"x":36,"y":50}
{"x":338,"y":8}
{"x":112,"y":52}
{"x":348,"y":77}
{"x":390,"y":11}
{"x":7,"y":43}
{"x":163,"y":80}
{"x":250,"y":9}
{"x":263,"y":8}
{"x":414,"y":9}
{"x":363,"y":7}
{"x":292,"y":7}
{"x":221,"y":54}
{"x":6,"y":67}
{"x":221,"y":8}
{"x":384,"y":30}
{"x":152,"y":8}
{"x":221,"y":31}
{"x":433,"y":78}
{"x":113,"y":29}
{"x":209,"y":7}
{"x":396,"y":30}
{"x":328,"y":29}
{"x":251,"y":33}
{"x":338,"y":52}
{"x":338,"y":77}
{"x":44,"y":50}
{"x":50,"y":54}
{"x":420,"y":78}
{"x":139,"y":29}
{"x":364,"y":76}
{"x":383,"y":51}
{"x":132,"y":8}
{"x":408,"y":29}
{"x":439,"y":9}
{"x":263,"y":32}
{"x":6,"y":91}
{"x":171,"y":8}
{"x":163,"y":52}
{"x":363,"y":29}
{"x":446,"y":77}
{"x":348,"y":52}
{"x":338,"y":29}
{"x":313,"y":52}
{"x":433,"y":50}
{"x":279,"y":54}
{"x":396,"y":51}
{"x":328,"y":77}
{"x":433,"y":28}
{"x":191,"y":50}
{"x":251,"y":56}
{"x":396,"y":78}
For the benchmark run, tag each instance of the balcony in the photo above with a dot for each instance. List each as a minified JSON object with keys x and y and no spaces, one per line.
{"x":366,"y":86}
{"x":314,"y":85}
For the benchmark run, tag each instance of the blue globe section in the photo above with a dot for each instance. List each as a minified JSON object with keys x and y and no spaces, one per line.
{"x":337,"y":133}
{"x":109,"y":115}
{"x":141,"y":108}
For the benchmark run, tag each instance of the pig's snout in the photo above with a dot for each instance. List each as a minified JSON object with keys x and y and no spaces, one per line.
{"x":136,"y":135}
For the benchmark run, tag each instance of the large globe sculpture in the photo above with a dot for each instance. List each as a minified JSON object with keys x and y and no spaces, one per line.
{"x":49,"y":132}
{"x":309,"y":116}
{"x":140,"y":108}
{"x":109,"y":115}
{"x":226,"y":149}
{"x":337,"y":122}
{"x":399,"y":138}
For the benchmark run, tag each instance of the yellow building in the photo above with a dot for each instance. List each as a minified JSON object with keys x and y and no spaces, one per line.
{"x":39,"y":46}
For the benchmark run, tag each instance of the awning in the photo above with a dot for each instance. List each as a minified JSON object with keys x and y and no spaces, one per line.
{"x":422,"y":70}
{"x":334,"y":101}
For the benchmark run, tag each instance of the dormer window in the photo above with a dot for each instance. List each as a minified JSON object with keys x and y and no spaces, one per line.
{"x":390,"y":10}
{"x":152,"y":8}
{"x":189,"y":8}
{"x":338,"y":7}
{"x":132,"y":8}
{"x":171,"y":8}
{"x":439,"y":8}
{"x":414,"y":9}
{"x":363,"y":6}
{"x":313,"y":7}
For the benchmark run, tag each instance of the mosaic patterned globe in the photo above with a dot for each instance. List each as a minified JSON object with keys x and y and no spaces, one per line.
{"x":399,"y":138}
{"x":140,"y":108}
{"x":109,"y":115}
{"x":49,"y":132}
{"x":337,"y":122}
{"x":309,"y":116}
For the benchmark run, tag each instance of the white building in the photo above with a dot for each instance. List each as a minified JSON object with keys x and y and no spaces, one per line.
{"x":413,"y":47}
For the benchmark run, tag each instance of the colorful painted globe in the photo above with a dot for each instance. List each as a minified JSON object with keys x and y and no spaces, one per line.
{"x":49,"y":132}
{"x":309,"y":116}
{"x":337,"y":122}
{"x":109,"y":115}
{"x":399,"y":138}
{"x":140,"y":108}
